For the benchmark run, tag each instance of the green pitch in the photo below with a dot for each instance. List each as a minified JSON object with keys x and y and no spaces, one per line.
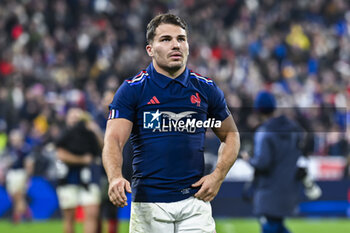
{"x":223,"y":226}
{"x":300,"y":225}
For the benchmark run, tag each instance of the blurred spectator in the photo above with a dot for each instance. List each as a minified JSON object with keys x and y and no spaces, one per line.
{"x":78,"y":151}
{"x":19,"y":170}
{"x":276,"y":152}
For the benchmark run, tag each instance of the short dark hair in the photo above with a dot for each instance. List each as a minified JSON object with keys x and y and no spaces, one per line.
{"x":167,"y":18}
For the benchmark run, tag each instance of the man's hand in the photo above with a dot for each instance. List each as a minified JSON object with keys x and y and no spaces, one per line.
{"x":87,"y":159}
{"x":116,"y":191}
{"x":210,"y":185}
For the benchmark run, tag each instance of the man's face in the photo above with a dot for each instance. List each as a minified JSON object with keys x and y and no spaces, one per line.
{"x":169,"y":48}
{"x":74,"y":115}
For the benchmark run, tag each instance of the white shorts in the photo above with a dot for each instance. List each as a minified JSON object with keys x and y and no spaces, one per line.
{"x":16,"y":181}
{"x":72,"y":195}
{"x":189,"y":215}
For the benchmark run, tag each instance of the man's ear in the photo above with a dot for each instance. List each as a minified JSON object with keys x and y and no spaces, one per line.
{"x":149,"y":50}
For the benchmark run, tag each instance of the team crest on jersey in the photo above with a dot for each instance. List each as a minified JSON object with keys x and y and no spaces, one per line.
{"x":195,"y":99}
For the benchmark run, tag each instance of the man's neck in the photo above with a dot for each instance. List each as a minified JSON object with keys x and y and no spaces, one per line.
{"x":169,"y":73}
{"x":266,"y":117}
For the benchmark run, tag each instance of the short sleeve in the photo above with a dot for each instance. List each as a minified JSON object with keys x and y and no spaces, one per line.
{"x":124,"y":103}
{"x":217,"y":105}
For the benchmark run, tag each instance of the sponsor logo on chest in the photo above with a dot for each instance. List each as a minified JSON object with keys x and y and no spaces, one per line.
{"x":166,"y":121}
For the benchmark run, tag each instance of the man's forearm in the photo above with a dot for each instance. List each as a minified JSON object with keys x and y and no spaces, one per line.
{"x":227,"y":155}
{"x":70,"y":158}
{"x":117,"y":133}
{"x":112,"y":158}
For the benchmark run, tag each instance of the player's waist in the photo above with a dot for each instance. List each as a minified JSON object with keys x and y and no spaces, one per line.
{"x":148,"y":191}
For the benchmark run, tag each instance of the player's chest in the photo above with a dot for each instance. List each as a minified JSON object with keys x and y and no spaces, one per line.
{"x":172,"y":109}
{"x":175,"y":96}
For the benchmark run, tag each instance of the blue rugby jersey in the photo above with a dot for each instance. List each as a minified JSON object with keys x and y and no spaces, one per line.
{"x":170,"y":117}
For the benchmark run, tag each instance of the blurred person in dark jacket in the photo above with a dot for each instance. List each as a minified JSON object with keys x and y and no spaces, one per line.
{"x":276,"y":153}
{"x":79,"y":168}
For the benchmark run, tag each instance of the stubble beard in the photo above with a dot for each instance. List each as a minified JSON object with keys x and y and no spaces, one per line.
{"x":173,"y":68}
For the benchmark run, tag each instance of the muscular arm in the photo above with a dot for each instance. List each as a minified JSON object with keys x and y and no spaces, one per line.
{"x":229,"y":147}
{"x":117,"y":133}
{"x":227,"y":155}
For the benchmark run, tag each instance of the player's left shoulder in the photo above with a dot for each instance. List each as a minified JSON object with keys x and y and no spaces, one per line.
{"x":196,"y":77}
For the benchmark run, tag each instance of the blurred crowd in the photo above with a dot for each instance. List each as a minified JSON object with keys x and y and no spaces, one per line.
{"x":59,"y":54}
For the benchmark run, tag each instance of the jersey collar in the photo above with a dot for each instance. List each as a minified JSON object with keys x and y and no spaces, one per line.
{"x":163,"y":81}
